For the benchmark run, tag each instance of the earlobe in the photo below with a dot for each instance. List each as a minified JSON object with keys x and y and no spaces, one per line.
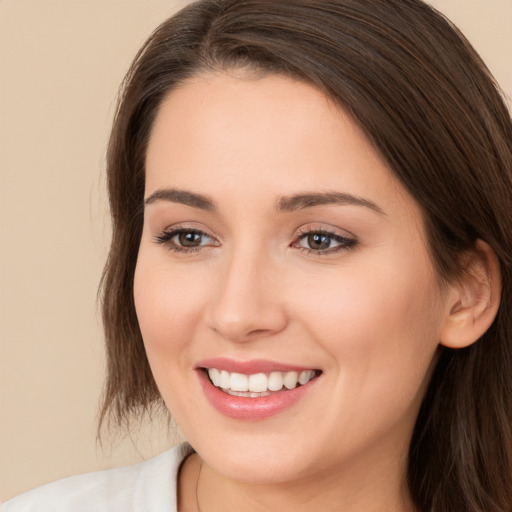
{"x":474,"y":299}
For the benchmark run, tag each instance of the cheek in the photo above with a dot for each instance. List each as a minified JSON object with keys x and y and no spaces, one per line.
{"x":168,"y":301}
{"x":380,"y":332}
{"x":379,"y":323}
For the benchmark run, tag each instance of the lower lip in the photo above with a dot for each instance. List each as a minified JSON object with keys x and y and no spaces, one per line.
{"x":243,"y":408}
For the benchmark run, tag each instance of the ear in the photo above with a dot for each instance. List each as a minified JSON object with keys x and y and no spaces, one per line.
{"x":474,"y":299}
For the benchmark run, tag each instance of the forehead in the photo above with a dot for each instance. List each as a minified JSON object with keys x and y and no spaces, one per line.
{"x":234,"y":136}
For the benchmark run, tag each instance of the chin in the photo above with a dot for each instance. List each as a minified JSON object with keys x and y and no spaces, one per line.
{"x":256,"y":464}
{"x":260,"y":456}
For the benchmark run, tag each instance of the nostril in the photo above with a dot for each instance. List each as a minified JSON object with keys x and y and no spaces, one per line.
{"x":259,"y":332}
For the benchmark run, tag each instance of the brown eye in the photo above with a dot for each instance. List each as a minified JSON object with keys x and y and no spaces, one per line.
{"x":324,"y":242}
{"x":318,"y":241}
{"x":189,"y":238}
{"x":185,"y":240}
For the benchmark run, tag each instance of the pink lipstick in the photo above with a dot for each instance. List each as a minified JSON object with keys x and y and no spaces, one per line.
{"x":256,"y":389}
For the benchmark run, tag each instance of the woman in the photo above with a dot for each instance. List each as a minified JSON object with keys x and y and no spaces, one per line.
{"x":310,"y":264}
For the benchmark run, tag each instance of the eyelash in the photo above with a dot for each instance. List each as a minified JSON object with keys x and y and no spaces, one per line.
{"x":345,"y":243}
{"x":165,"y":238}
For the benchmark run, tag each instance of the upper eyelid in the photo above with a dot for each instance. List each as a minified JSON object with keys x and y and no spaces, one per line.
{"x":299,"y":233}
{"x":329,"y":234}
{"x":176,"y":228}
{"x":325,"y":229}
{"x":172,"y":232}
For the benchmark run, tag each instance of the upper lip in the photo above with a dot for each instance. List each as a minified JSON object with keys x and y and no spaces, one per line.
{"x":250,"y":367}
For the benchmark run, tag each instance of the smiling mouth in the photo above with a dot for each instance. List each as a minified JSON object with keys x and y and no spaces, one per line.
{"x":258,"y":384}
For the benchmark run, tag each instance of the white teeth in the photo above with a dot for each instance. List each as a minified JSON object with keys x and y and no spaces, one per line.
{"x":290,"y":379}
{"x":246,"y":394}
{"x":239,"y":382}
{"x":306,"y":376}
{"x":224,"y":379}
{"x":275,"y":381}
{"x":215,"y":376}
{"x":258,"y":384}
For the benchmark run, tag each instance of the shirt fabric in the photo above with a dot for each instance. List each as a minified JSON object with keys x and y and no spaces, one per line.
{"x":150,"y":486}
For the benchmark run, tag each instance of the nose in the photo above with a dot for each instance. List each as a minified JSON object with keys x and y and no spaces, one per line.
{"x":246,"y":301}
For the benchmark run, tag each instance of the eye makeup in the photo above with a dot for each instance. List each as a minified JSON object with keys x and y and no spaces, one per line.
{"x":185,"y":239}
{"x":310,"y":240}
{"x":320,"y":242}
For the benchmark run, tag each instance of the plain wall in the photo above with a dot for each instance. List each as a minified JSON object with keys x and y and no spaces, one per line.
{"x":60,"y":65}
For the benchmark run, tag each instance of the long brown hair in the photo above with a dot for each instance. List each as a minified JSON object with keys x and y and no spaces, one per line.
{"x":431,"y":108}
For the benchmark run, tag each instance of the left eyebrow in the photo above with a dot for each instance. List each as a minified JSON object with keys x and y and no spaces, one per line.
{"x":309,"y":200}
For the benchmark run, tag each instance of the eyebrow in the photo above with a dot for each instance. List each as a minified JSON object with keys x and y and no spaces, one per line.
{"x":284,"y":204}
{"x":183,"y":197}
{"x":309,"y":200}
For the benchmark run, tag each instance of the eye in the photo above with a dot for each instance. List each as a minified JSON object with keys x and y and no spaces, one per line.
{"x":323,"y":242}
{"x":189,"y":239}
{"x":185,"y":239}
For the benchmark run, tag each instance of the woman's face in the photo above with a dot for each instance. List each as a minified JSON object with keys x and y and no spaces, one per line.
{"x":278,"y":249}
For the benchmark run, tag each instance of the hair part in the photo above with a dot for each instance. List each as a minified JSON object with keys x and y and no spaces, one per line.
{"x":429,"y":105}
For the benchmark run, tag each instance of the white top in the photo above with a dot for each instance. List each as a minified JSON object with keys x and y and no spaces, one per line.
{"x":150,"y":486}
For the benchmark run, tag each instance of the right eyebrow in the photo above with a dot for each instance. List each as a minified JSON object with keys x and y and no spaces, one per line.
{"x":183,"y":197}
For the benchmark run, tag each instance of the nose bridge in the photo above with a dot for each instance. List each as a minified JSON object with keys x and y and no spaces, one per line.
{"x":246,"y":301}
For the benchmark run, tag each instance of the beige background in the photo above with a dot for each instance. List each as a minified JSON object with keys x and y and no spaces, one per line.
{"x":60,"y":64}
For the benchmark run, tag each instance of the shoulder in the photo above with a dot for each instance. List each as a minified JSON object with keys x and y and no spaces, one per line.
{"x":149,"y":486}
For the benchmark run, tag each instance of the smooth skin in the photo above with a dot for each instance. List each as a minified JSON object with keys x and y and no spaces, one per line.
{"x":346,"y":287}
